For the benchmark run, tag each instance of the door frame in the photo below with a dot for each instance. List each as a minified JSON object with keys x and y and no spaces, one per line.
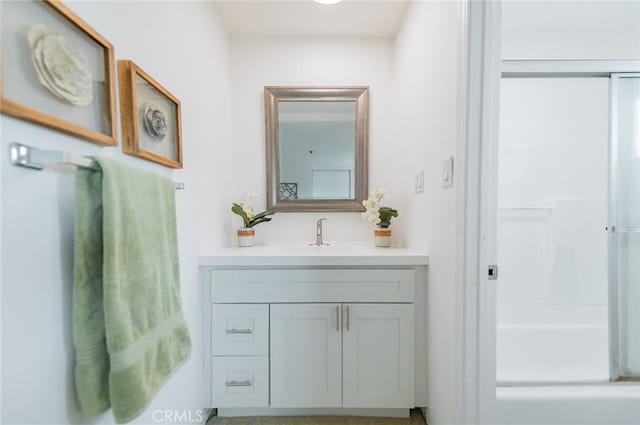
{"x":478,"y":125}
{"x":480,"y":56}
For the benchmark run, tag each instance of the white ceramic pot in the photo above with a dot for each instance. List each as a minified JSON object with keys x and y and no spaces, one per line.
{"x":382,"y":237}
{"x":246,"y":236}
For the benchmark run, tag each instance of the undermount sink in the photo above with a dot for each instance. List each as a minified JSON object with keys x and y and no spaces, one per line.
{"x":342,"y":247}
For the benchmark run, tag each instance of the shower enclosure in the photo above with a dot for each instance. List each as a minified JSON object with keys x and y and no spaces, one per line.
{"x":624,"y":228}
{"x":568,"y":298}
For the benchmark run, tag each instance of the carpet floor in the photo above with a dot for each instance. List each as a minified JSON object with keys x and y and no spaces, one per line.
{"x":415,"y":419}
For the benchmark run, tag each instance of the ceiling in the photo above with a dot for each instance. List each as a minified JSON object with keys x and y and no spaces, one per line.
{"x":355,"y":18}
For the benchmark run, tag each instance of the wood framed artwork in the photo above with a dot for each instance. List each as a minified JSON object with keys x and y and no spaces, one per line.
{"x":150,"y":117}
{"x":57,"y":71}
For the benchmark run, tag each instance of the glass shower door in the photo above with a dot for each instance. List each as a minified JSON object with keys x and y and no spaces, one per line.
{"x":624,"y":228}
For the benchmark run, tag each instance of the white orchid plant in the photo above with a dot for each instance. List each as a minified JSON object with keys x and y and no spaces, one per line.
{"x":244,"y":209}
{"x":375,"y":214}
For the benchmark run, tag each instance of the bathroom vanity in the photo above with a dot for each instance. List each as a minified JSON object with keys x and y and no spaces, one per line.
{"x":314,"y":330}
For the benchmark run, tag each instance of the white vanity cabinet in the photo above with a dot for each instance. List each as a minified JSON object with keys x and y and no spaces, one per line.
{"x":342,"y":355}
{"x":306,"y":355}
{"x":313,"y":334}
{"x":378,"y":355}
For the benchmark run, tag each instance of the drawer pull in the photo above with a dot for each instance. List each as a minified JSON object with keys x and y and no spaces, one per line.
{"x":239,"y":384}
{"x":239,"y":331}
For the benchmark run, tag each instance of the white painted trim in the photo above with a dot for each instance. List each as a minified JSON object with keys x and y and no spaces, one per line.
{"x":478,"y":151}
{"x":574,"y":68}
{"x":487,"y":328}
{"x":465,"y":407}
{"x":338,"y":411}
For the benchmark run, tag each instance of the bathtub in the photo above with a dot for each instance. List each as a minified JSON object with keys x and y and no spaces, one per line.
{"x":547,"y":343}
{"x":601,"y":404}
{"x":553,"y":368}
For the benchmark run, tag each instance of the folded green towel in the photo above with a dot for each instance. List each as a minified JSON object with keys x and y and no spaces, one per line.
{"x":129,"y":331}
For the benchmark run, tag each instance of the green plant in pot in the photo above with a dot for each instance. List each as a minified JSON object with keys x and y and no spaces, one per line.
{"x":246,"y":234}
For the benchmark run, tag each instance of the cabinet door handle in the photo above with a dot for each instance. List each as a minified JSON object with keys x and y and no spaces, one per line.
{"x":337,"y":318}
{"x":238,"y":383}
{"x":239,"y":331}
{"x":348,"y":315}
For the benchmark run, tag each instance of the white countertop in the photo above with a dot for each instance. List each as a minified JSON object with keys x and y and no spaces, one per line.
{"x":300,"y":254}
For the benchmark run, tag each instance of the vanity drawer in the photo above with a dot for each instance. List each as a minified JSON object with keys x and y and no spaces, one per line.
{"x":313,"y":285}
{"x":240,"y":329}
{"x":240,"y":382}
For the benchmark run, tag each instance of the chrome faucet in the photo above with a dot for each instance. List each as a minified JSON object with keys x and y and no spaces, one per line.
{"x":319,"y":241}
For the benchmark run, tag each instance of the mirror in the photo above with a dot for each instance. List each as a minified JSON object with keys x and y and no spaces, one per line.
{"x":317,"y":142}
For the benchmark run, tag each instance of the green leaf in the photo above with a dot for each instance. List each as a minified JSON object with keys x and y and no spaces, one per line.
{"x":386,"y":214}
{"x":237,"y":209}
{"x":260,"y":220}
{"x":262,"y":214}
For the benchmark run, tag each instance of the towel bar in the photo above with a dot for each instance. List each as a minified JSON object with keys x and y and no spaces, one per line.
{"x":36,"y":159}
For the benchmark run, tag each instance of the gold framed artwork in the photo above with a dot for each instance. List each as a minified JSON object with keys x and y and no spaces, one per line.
{"x":57,"y":71}
{"x":150,"y":117}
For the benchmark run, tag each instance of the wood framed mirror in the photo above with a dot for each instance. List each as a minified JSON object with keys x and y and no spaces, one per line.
{"x":317,"y":142}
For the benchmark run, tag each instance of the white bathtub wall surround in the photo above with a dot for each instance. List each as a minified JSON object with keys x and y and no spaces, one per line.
{"x":552,"y":292}
{"x":258,"y":61}
{"x":327,"y":330}
{"x":571,"y":29}
{"x":191,"y":60}
{"x":427,"y":72}
{"x":549,"y":253}
{"x":569,"y":405}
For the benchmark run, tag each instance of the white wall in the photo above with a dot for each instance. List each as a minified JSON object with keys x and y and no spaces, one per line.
{"x":184,"y":46}
{"x":259,"y":62}
{"x":571,"y":29}
{"x":426,"y":78}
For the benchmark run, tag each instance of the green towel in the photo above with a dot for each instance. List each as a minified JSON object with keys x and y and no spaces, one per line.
{"x":129,"y":331}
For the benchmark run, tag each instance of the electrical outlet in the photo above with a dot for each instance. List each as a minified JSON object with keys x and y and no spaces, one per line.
{"x":419,"y":186}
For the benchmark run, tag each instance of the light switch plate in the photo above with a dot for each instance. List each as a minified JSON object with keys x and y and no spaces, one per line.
{"x":447,"y":172}
{"x":419,"y":186}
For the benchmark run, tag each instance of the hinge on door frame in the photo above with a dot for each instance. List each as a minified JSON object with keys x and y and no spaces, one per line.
{"x":492,"y":272}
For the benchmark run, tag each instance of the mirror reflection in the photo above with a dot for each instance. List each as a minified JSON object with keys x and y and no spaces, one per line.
{"x":317,"y":149}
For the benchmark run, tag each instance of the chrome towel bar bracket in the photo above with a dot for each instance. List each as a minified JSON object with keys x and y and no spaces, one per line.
{"x":29,"y":157}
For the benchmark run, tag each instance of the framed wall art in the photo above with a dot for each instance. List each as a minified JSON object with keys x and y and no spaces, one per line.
{"x":150,"y":116}
{"x":57,"y":71}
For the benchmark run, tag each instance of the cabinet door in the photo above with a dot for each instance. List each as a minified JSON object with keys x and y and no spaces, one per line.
{"x":378,"y":355}
{"x":306,"y":351}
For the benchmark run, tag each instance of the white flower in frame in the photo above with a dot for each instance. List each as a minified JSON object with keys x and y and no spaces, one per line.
{"x":61,"y":67}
